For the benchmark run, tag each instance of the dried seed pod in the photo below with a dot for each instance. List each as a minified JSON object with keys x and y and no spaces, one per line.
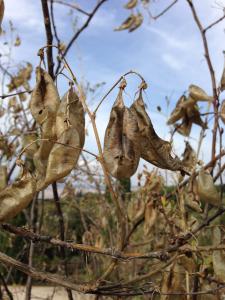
{"x":127,"y":23}
{"x":222,"y":82}
{"x":16,"y":197}
{"x":131,"y":4}
{"x":45,"y":98}
{"x":3,"y":177}
{"x":71,"y":109}
{"x":121,"y":143}
{"x":198,"y":94}
{"x":178,"y":112}
{"x":153,"y":149}
{"x":28,"y":141}
{"x":70,"y":130}
{"x":64,"y":156}
{"x":44,"y":105}
{"x":189,"y":157}
{"x":150,"y":217}
{"x":184,"y":128}
{"x":138,"y":20}
{"x":206,"y":188}
{"x":193,"y":116}
{"x":222,"y":111}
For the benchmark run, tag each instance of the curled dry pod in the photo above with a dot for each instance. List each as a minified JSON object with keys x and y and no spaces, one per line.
{"x":121,"y":143}
{"x":198,"y":94}
{"x":2,"y":9}
{"x":127,"y":23}
{"x":150,"y":217}
{"x":222,"y":111}
{"x":131,"y":4}
{"x":184,"y":128}
{"x":16,"y":197}
{"x":138,"y":20}
{"x":28,"y":141}
{"x":44,"y":105}
{"x":222,"y":83}
{"x":153,"y":149}
{"x":70,"y":129}
{"x":206,"y":188}
{"x":193,"y":115}
{"x":178,"y":112}
{"x":64,"y":156}
{"x":3,"y":177}
{"x":71,"y":109}
{"x":189,"y":157}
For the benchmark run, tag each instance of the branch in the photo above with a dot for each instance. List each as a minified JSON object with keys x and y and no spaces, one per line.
{"x":85,"y":25}
{"x":73,"y":6}
{"x":214,"y":23}
{"x":44,"y":276}
{"x":165,"y":10}
{"x":49,"y":36}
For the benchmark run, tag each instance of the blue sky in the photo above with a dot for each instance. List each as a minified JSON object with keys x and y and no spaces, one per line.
{"x":167,"y":52}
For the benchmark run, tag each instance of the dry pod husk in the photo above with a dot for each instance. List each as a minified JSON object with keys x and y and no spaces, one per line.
{"x":3,"y":177}
{"x":2,"y":9}
{"x":184,"y":128}
{"x":198,"y":94}
{"x":127,"y":23}
{"x":131,"y":4}
{"x":150,"y":217}
{"x":178,"y":112}
{"x":138,"y":20}
{"x":70,"y":129}
{"x":222,"y":83}
{"x":21,"y":79}
{"x":206,"y":188}
{"x":28,"y":141}
{"x":222,"y":111}
{"x":189,"y":157}
{"x":153,"y":149}
{"x":121,"y":142}
{"x":16,"y":197}
{"x":44,"y":105}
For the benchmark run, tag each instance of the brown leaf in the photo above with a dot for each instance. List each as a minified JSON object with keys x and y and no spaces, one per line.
{"x":21,"y":79}
{"x":153,"y":149}
{"x":27,"y":139}
{"x":178,"y":112}
{"x":206,"y":188}
{"x":16,"y":197}
{"x":121,"y":143}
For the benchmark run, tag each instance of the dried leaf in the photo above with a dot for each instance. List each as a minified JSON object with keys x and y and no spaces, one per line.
{"x":198,"y":94}
{"x":17,"y":42}
{"x":131,"y":4}
{"x":222,"y":82}
{"x":191,"y":201}
{"x":184,"y":128}
{"x":153,"y":149}
{"x":206,"y":188}
{"x":127,"y":23}
{"x":178,"y":112}
{"x":121,"y":143}
{"x":3,"y":177}
{"x":222,"y":111}
{"x":16,"y":197}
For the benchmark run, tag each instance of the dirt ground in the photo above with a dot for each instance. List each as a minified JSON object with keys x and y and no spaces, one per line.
{"x":46,"y":293}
